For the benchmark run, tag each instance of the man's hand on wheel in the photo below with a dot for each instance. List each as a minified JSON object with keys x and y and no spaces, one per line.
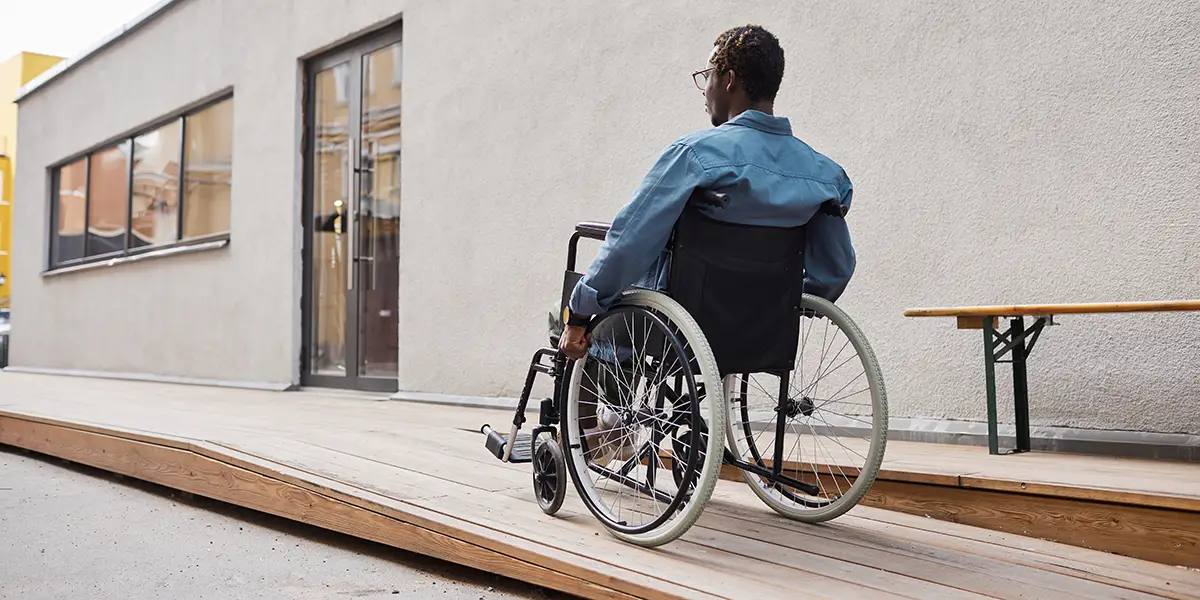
{"x":574,"y":341}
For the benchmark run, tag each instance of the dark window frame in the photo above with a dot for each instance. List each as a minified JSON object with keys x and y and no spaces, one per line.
{"x":179,"y":116}
{"x":55,"y":243}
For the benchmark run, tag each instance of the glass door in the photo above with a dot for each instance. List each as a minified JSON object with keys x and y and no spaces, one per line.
{"x":352,"y":217}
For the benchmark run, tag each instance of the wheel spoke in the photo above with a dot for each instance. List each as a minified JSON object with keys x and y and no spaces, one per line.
{"x":646,"y":410}
{"x":842,"y":448}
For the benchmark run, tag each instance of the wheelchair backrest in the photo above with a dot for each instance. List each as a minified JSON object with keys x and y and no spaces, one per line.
{"x":743,"y":285}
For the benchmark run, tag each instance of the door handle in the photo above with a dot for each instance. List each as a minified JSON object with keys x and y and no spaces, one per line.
{"x":350,"y":214}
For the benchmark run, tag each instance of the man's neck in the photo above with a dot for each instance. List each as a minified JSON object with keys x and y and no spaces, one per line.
{"x":762,"y":107}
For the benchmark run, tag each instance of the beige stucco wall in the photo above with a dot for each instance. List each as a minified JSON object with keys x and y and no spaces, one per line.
{"x":1002,"y":152}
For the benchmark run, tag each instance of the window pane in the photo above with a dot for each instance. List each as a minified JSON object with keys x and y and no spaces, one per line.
{"x":379,"y":221}
{"x":108,"y":195}
{"x":330,"y":244}
{"x":341,"y":76}
{"x":397,"y":64}
{"x":208,"y":168}
{"x":70,"y":207}
{"x":156,"y":186}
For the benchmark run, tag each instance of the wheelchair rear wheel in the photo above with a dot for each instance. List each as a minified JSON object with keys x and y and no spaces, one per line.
{"x":644,"y":420}
{"x":826,"y":420}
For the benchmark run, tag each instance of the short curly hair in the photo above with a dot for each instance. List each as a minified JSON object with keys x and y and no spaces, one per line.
{"x":755,"y":55}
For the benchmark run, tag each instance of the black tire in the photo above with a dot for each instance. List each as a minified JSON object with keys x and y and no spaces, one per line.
{"x":549,"y":476}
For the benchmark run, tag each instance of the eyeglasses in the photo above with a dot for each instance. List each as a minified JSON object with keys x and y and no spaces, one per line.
{"x":698,"y":75}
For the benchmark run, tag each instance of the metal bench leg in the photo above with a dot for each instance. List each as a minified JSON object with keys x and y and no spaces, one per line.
{"x":1020,"y":383}
{"x":989,"y":367}
{"x":1019,"y":342}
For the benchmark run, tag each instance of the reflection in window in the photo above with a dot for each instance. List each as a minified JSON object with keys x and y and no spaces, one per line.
{"x":155,"y":206}
{"x":330,"y":244}
{"x":70,"y":209}
{"x":378,"y":235}
{"x":108,"y":200}
{"x":207,"y":172}
{"x":341,"y":78}
{"x":397,"y":64}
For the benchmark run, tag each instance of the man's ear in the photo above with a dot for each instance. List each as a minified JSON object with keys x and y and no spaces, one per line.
{"x":732,"y":82}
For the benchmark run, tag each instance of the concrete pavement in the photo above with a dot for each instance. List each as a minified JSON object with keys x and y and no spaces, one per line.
{"x":73,"y":532}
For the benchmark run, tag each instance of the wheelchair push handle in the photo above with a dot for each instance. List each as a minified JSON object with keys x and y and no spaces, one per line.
{"x":709,"y":198}
{"x":592,"y":230}
{"x":596,"y":230}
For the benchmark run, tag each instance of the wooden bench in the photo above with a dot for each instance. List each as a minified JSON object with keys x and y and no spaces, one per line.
{"x":1018,"y":341}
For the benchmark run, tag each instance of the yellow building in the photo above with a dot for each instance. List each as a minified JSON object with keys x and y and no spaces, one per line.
{"x":14,"y":73}
{"x":6,"y":194}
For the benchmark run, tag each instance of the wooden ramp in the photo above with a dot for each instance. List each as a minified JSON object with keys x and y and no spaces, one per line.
{"x":417,"y":477}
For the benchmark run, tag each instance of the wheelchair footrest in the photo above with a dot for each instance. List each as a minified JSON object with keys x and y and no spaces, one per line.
{"x":523,"y":451}
{"x":497,"y":442}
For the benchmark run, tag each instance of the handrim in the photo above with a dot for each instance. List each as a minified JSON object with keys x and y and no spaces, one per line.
{"x":705,"y":480}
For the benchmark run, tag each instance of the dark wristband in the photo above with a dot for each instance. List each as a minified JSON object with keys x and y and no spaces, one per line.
{"x":578,"y":320}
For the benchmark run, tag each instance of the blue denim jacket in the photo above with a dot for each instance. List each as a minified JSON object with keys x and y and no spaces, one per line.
{"x":771,"y":179}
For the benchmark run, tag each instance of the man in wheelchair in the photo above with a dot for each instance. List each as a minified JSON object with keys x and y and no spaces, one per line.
{"x":683,"y":347}
{"x":767,"y":177}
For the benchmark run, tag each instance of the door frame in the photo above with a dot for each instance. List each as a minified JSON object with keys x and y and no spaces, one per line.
{"x":352,"y":53}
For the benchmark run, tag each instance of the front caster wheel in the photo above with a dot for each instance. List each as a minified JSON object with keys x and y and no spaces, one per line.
{"x":549,"y":476}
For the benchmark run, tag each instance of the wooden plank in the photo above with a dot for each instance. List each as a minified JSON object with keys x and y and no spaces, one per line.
{"x":1094,"y":484}
{"x":189,"y":472}
{"x":1143,"y":531}
{"x":1165,"y":536}
{"x":1120,"y":571}
{"x":888,"y":538}
{"x":993,"y":578}
{"x":785,"y":536}
{"x":976,"y":322}
{"x":768,"y":561}
{"x":1163,"y":483}
{"x":170,"y":441}
{"x":1094,"y":494}
{"x":1016,"y":310}
{"x":732,"y":473}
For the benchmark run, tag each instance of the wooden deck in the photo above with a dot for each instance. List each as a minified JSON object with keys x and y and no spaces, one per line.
{"x":417,"y":477}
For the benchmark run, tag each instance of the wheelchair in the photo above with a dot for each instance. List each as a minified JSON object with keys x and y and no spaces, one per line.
{"x":733,"y":365}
